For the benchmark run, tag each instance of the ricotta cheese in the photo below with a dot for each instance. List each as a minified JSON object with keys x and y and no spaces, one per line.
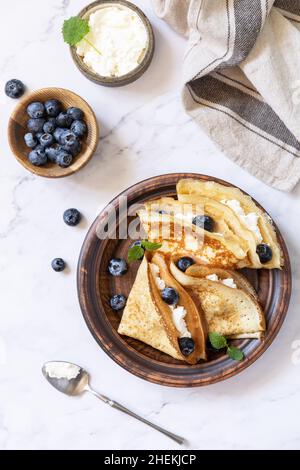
{"x":250,"y":220}
{"x":227,"y":282}
{"x":119,"y":34}
{"x":62,"y":370}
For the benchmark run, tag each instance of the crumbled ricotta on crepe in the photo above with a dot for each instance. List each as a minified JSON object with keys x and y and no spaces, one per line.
{"x":250,"y":220}
{"x":178,"y":312}
{"x":227,"y":282}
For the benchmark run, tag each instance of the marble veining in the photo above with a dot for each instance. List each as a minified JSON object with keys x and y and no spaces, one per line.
{"x":144,"y":132}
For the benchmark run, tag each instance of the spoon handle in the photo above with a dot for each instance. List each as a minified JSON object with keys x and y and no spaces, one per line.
{"x":118,"y":406}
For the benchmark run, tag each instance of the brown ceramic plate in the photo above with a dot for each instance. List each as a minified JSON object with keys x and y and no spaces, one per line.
{"x":95,"y":286}
{"x":17,"y":128}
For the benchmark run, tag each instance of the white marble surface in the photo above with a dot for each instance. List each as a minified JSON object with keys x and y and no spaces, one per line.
{"x":145,"y":132}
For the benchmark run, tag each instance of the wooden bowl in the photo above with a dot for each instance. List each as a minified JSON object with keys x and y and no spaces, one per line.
{"x":134,"y":74}
{"x":96,"y":286}
{"x":17,"y":128}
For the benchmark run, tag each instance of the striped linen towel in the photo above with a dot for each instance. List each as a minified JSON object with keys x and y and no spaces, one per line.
{"x":242,"y":79}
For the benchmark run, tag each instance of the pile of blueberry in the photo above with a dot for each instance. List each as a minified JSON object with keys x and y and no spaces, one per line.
{"x":54,"y":135}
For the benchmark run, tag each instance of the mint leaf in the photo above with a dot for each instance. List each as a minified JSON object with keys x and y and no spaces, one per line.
{"x":149,"y":246}
{"x":135,"y":253}
{"x":235,"y":353}
{"x":74,"y":30}
{"x":217,"y":341}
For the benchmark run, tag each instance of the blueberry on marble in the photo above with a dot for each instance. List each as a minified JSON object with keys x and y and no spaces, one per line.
{"x":79,"y":128}
{"x":53,"y":151}
{"x":75,"y":113}
{"x":30,"y":140}
{"x":187,"y":346}
{"x":72,"y":217}
{"x":118,"y":302}
{"x":53,"y":108}
{"x":264,"y":252}
{"x":35,"y":125}
{"x":184,"y":263}
{"x":117,"y":267}
{"x":50,"y":126}
{"x":37,"y":157}
{"x":58,"y":265}
{"x":46,"y":140}
{"x":170,"y":296}
{"x":36,"y":110}
{"x":205,"y":222}
{"x":64,"y":159}
{"x":64,"y":120}
{"x":14,"y":89}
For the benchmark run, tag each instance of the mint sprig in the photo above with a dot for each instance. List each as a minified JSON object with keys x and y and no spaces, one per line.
{"x":136,"y":252}
{"x":75,"y":30}
{"x":219,"y":342}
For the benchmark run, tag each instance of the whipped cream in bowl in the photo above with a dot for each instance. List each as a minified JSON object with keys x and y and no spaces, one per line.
{"x":119,"y":46}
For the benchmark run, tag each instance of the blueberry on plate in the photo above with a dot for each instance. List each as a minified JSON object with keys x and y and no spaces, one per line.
{"x":64,"y":120}
{"x":37,"y":157}
{"x":14,"y":89}
{"x":39,"y":135}
{"x":58,"y":265}
{"x":30,"y":140}
{"x":36,"y":110}
{"x":53,"y":151}
{"x":79,"y":128}
{"x":46,"y":140}
{"x":74,"y":149}
{"x":264,"y":252}
{"x":205,"y":222}
{"x":53,"y":108}
{"x":170,"y":296}
{"x":35,"y":125}
{"x":75,"y":113}
{"x":187,"y":346}
{"x":184,"y":263}
{"x":72,"y":217}
{"x":50,"y":126}
{"x":58,"y":133}
{"x":67,"y":137}
{"x":64,"y":159}
{"x":117,"y":267}
{"x":118,"y":302}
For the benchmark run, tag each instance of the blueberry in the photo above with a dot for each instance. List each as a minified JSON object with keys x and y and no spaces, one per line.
{"x":170,"y":296}
{"x":30,"y":140}
{"x":117,"y":302}
{"x":72,"y":217}
{"x":52,"y":152}
{"x":53,"y":108}
{"x":74,"y":149}
{"x":67,"y":137}
{"x":36,"y":110}
{"x":39,"y":135}
{"x":58,"y":265}
{"x":58,"y":133}
{"x":79,"y":128}
{"x":205,"y":222}
{"x":117,"y":267}
{"x":35,"y":125}
{"x":184,"y":263}
{"x":14,"y":89}
{"x":46,"y":140}
{"x":63,"y":120}
{"x":75,"y":113}
{"x":264,"y":252}
{"x":50,"y":126}
{"x":64,"y":159}
{"x":37,"y":157}
{"x":187,"y":346}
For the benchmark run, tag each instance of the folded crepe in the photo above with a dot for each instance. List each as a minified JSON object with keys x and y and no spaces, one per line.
{"x":149,"y":319}
{"x":228,"y":300}
{"x":255,"y":226}
{"x":170,"y":223}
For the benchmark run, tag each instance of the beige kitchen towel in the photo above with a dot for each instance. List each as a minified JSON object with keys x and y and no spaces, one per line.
{"x":242,"y":79}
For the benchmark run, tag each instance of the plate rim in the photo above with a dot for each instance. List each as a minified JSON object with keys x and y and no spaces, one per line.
{"x":171,"y":382}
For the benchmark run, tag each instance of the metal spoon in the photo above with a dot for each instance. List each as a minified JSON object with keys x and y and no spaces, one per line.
{"x":80,"y":384}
